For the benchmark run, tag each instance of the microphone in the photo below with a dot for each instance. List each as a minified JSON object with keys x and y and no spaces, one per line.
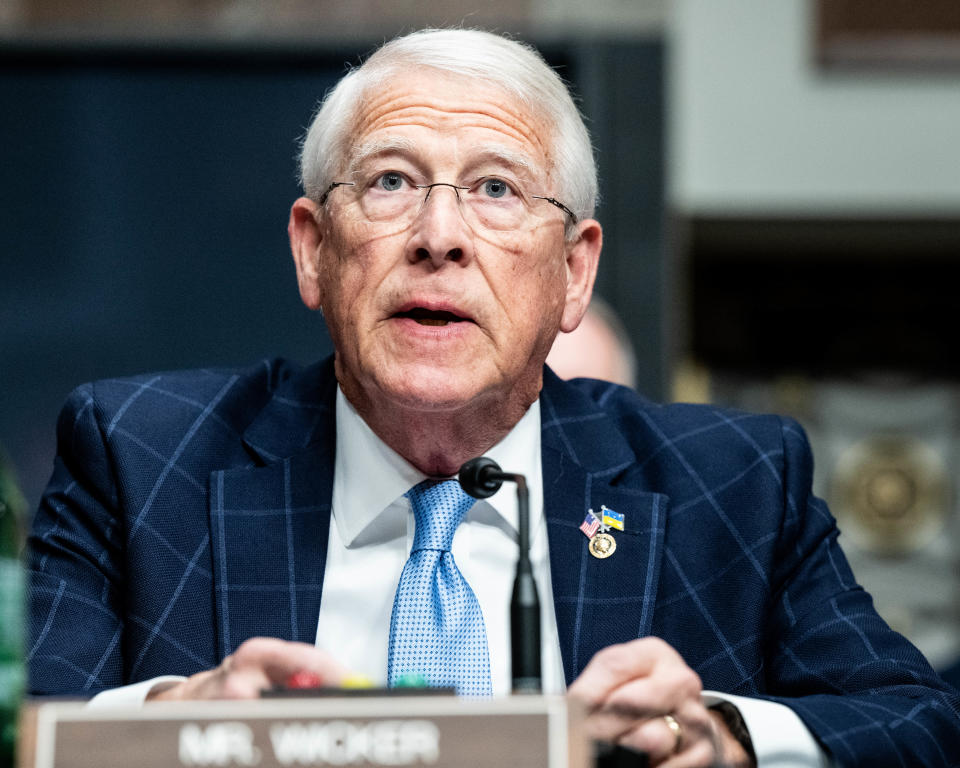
{"x":481,"y":478}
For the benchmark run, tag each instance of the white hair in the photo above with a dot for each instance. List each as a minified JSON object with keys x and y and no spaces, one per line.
{"x":508,"y":64}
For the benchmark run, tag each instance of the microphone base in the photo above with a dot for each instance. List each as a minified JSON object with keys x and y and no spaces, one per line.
{"x":607,"y":755}
{"x":526,"y":686}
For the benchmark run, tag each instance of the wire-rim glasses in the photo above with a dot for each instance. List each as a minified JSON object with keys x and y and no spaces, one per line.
{"x":490,"y":202}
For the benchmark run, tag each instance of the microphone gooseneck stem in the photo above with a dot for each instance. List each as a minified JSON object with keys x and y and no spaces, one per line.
{"x":524,"y":606}
{"x":482,"y":477}
{"x":523,"y":516}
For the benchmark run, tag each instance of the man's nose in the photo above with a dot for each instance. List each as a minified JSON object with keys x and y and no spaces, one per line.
{"x":439,"y":232}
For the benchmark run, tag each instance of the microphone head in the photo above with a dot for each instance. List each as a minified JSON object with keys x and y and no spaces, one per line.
{"x":479,"y":477}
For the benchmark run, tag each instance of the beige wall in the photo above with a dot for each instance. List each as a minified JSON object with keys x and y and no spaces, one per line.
{"x":756,"y":127}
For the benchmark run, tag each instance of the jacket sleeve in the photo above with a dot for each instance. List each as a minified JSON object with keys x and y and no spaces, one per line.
{"x":75,"y":563}
{"x":867,"y":695}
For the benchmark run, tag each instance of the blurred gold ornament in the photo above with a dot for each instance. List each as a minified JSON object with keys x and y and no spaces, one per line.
{"x":891,"y":494}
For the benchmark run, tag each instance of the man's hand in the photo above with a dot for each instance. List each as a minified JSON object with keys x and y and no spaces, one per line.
{"x":629,"y":691}
{"x":259,"y":663}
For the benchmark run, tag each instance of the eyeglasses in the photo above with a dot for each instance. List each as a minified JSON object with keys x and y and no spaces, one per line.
{"x":490,"y":202}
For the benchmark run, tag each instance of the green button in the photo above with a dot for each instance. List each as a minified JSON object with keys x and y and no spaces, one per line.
{"x":411,"y":680}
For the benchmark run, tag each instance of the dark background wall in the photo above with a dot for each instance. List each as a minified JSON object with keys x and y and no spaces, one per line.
{"x":143,"y":205}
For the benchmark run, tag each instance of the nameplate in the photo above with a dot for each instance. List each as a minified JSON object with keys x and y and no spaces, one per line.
{"x":444,"y":732}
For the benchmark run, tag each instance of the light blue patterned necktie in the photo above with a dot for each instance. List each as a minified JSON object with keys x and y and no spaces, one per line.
{"x":437,"y":629}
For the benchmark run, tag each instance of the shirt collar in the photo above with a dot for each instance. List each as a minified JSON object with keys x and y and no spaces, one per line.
{"x":369,"y":476}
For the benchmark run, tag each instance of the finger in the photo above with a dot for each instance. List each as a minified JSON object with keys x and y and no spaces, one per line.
{"x":614,"y":665}
{"x":694,"y":731}
{"x":667,"y":688}
{"x":654,"y":737}
{"x":257,"y":664}
{"x":652,"y":733}
{"x":699,"y":755}
{"x":273,"y":661}
{"x":614,"y":723}
{"x":234,"y":683}
{"x":670,"y":688}
{"x":697,"y":743}
{"x":610,"y":726}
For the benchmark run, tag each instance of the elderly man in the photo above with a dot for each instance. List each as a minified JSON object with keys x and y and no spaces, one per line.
{"x":230,"y":528}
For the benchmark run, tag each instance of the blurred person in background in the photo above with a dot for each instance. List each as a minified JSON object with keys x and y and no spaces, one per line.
{"x":598,"y":348}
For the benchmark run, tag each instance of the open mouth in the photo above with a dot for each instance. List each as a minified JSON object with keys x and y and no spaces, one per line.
{"x":432,"y":316}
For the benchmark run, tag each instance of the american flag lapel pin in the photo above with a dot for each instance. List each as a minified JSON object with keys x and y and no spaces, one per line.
{"x":590,"y":525}
{"x":595,"y":528}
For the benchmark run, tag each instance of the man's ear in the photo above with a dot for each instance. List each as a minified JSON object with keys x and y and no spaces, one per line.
{"x":305,"y":238}
{"x":583,"y":256}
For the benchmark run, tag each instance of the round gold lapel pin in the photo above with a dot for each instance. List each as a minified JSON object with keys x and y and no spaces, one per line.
{"x":602,"y":545}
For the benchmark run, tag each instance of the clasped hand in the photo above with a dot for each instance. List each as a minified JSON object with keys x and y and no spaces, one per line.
{"x":642,"y":695}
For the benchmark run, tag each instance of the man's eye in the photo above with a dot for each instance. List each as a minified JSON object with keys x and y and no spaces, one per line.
{"x":390,"y":181}
{"x":495,"y":187}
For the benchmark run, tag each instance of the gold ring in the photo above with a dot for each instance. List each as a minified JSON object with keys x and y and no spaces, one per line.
{"x":676,"y":729}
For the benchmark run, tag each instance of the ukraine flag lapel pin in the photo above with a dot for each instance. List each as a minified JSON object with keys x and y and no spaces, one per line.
{"x":602,"y":544}
{"x":611,"y":519}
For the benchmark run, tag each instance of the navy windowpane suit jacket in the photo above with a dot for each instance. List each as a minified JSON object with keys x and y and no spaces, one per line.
{"x":189,"y":511}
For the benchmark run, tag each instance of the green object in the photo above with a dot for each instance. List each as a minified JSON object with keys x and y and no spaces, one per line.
{"x":12,"y":509}
{"x":411,"y":680}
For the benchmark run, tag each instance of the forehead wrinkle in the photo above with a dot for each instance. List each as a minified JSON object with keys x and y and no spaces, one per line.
{"x":360,"y":153}
{"x":422,"y":103}
{"x":522,"y":162}
{"x":497,"y":153}
{"x":452,"y":121}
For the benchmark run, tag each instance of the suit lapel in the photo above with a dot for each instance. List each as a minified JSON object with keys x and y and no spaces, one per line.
{"x":270,"y":521}
{"x":586,"y":464}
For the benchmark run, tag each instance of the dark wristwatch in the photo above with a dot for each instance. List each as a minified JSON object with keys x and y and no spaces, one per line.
{"x":738,"y":729}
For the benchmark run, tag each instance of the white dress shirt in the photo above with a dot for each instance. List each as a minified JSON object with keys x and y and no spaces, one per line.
{"x":369,"y":541}
{"x":371,"y":535}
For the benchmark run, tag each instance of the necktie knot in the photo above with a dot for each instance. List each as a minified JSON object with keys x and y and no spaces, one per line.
{"x":438,"y":509}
